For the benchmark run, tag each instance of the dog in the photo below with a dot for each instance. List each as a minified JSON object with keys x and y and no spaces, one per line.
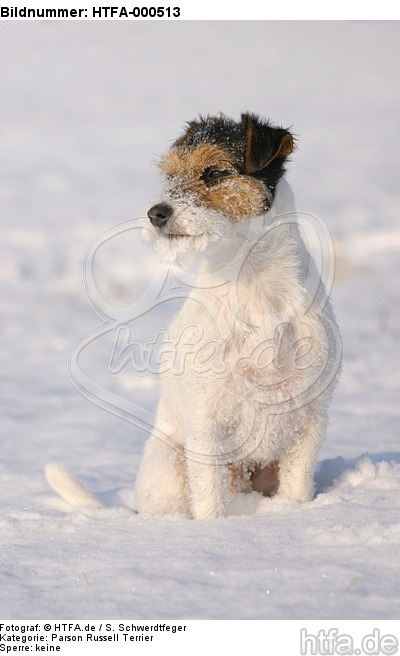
{"x":259,"y":304}
{"x":247,"y":410}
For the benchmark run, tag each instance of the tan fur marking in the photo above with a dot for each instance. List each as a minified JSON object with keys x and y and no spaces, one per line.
{"x":249,"y":164}
{"x":238,"y":480}
{"x":193,"y":162}
{"x":259,"y":479}
{"x":286,"y":146}
{"x":237,"y":196}
{"x":266,"y":479}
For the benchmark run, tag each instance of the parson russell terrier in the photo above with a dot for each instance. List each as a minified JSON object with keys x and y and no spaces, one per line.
{"x":252,"y":417}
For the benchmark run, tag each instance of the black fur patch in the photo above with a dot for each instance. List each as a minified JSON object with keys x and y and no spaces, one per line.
{"x":258,"y":147}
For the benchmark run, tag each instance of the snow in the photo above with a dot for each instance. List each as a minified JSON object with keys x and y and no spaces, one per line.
{"x":87,"y":109}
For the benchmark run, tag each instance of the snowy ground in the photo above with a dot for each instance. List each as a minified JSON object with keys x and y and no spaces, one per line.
{"x":86,"y":108}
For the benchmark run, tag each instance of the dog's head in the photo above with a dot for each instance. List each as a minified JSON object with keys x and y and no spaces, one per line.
{"x":218,"y":173}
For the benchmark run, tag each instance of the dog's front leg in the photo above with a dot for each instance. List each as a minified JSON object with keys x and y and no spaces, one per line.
{"x":208,"y":477}
{"x":298,"y":463}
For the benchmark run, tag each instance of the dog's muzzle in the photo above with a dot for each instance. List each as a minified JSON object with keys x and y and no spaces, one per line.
{"x":159,"y":214}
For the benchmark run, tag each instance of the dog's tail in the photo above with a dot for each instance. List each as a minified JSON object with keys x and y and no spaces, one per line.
{"x":69,"y":488}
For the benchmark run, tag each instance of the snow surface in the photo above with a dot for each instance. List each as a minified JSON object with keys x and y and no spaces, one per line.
{"x":86,"y":109}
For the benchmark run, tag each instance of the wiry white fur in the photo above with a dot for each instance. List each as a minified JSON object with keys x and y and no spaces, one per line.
{"x":200,"y":230}
{"x":255,"y":283}
{"x":68,"y":487}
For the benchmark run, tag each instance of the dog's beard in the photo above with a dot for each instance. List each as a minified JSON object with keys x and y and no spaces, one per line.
{"x":189,"y":232}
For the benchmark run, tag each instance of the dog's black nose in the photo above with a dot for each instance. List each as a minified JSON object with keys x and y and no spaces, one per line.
{"x":158,"y":214}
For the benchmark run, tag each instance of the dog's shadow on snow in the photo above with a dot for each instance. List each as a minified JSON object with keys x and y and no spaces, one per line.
{"x":329,"y":472}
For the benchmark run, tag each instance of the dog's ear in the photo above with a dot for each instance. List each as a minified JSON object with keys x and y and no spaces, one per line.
{"x":264,"y":143}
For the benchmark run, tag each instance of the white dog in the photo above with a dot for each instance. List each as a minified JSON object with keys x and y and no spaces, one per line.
{"x":250,"y":410}
{"x":257,"y":351}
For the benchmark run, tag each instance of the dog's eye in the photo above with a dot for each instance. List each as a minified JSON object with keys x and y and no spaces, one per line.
{"x":211,"y":175}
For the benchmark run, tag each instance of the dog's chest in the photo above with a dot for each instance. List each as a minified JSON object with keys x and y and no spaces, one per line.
{"x":223,"y":334}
